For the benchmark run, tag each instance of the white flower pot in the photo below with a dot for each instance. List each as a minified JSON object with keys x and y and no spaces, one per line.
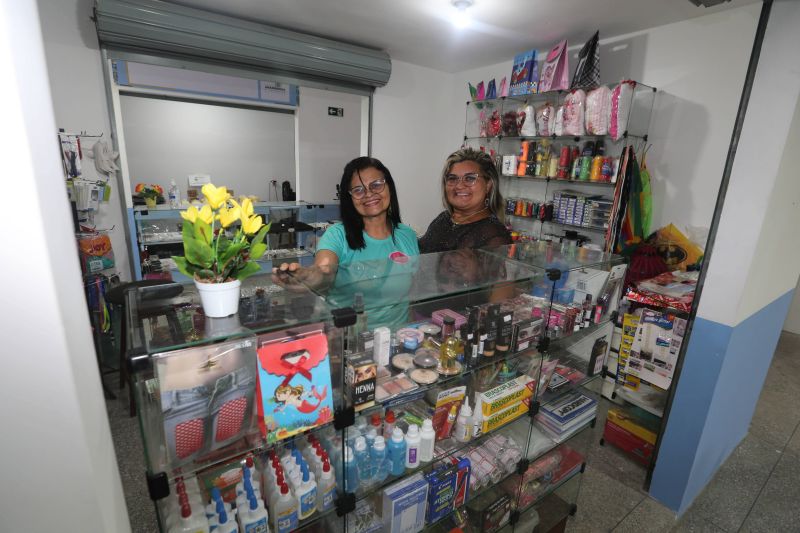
{"x":219,"y":299}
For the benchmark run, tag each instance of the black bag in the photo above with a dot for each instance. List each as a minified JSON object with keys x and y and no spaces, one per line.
{"x":287,"y":192}
{"x":588,"y":72}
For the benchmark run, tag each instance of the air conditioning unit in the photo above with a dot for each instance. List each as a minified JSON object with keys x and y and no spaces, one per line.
{"x":155,"y":27}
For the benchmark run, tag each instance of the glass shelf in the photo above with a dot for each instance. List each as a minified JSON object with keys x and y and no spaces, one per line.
{"x":556,"y":180}
{"x":545,"y":255}
{"x":559,"y":138}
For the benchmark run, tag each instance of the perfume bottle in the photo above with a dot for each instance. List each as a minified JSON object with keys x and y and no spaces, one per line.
{"x":451,"y":349}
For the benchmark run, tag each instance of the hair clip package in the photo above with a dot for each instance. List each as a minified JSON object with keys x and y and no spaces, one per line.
{"x":207,"y":396}
{"x":294,"y":381}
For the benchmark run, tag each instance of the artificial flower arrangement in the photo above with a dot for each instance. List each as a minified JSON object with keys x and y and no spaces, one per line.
{"x":211,"y":256}
{"x":149,"y":190}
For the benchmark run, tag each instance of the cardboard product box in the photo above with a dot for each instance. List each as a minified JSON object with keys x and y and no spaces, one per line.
{"x":441,"y":492}
{"x":404,"y":505}
{"x":495,"y":515}
{"x":506,"y":394}
{"x":639,"y":449}
{"x":359,"y":377}
{"x":629,"y":423}
{"x":526,"y":334}
{"x":509,"y":414}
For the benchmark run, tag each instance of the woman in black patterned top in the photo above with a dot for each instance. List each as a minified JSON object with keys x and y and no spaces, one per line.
{"x":473,"y":216}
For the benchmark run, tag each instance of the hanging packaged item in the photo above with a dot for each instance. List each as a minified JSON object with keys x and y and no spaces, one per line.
{"x":96,"y":253}
{"x":207,"y":395}
{"x":558,"y":128}
{"x":621,"y":98}
{"x":544,"y":119}
{"x":574,"y":112}
{"x":598,"y":108}
{"x":294,"y":380}
{"x":526,"y":121}
{"x":587,"y":74}
{"x":524,"y":74}
{"x":555,"y":71}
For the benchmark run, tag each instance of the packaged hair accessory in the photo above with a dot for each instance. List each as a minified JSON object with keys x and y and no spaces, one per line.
{"x":598,"y":109}
{"x":621,"y":98}
{"x":526,"y":121}
{"x":574,"y":112}
{"x":558,"y":128}
{"x":544,"y":116}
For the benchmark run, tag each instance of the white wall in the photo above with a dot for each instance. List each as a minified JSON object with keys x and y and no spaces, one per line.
{"x":326,"y":143}
{"x":56,"y":455}
{"x":79,"y":100}
{"x":242,"y":148}
{"x":792,"y":323}
{"x":412,"y":136}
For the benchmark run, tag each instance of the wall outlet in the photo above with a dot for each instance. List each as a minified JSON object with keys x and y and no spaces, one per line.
{"x":198,"y":180}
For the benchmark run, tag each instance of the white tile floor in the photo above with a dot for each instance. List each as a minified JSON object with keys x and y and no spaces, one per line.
{"x":756,"y":490}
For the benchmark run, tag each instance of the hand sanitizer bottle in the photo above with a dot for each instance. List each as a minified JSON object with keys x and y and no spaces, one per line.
{"x":397,"y":452}
{"x":285,"y":511}
{"x":427,"y":439}
{"x":412,"y":446}
{"x":326,"y":489}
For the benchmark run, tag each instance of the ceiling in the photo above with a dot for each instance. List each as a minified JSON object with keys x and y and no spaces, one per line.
{"x":420,"y":31}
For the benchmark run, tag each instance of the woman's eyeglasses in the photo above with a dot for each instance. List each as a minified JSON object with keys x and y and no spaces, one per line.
{"x":375,"y":187}
{"x":469,"y":179}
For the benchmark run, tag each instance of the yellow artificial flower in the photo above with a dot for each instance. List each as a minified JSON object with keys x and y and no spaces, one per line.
{"x":251,"y":224}
{"x":205,"y":214}
{"x":216,"y":196}
{"x":228,"y":216}
{"x":190,"y":214}
{"x":247,"y":207}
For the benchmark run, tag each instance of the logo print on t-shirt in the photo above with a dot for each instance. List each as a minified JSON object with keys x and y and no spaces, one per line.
{"x":398,"y":257}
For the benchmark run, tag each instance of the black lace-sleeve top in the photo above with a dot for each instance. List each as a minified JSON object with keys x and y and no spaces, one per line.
{"x":443,"y":235}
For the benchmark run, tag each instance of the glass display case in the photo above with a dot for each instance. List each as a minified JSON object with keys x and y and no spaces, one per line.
{"x":156,"y":235}
{"x":462,"y":385}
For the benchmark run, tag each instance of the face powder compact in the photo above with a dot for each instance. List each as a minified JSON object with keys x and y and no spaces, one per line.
{"x":423,"y":376}
{"x":426,"y":358}
{"x":403,"y":361}
{"x":430,"y":330}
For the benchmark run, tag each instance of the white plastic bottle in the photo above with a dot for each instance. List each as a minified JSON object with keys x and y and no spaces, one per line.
{"x":412,"y":446}
{"x":174,"y":195}
{"x":477,"y":420}
{"x":306,"y":496}
{"x":190,"y":522}
{"x":255,"y":520}
{"x":326,"y":489}
{"x":285,"y":517}
{"x":427,"y":438}
{"x":225,"y":524}
{"x":463,"y":431}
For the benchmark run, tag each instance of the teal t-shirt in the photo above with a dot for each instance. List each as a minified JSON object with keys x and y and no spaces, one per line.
{"x":382,"y":271}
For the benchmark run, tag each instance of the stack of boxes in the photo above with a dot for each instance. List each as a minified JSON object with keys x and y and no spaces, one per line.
{"x":577,"y":209}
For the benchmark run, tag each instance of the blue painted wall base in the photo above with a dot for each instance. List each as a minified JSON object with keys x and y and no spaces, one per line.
{"x":723,"y":372}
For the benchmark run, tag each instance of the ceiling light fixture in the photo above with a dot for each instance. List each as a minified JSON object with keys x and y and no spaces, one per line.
{"x":461,"y":18}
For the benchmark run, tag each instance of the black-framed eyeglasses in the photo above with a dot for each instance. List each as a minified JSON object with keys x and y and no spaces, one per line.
{"x":375,"y":187}
{"x":469,"y":179}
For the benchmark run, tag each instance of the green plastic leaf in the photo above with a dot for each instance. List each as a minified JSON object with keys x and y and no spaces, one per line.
{"x":198,"y":253}
{"x":184,"y":267}
{"x":187,"y":231}
{"x":202,"y":231}
{"x":206,"y":274}
{"x":257,"y":250}
{"x":230,"y":252}
{"x":259,"y":238}
{"x":248,"y":270}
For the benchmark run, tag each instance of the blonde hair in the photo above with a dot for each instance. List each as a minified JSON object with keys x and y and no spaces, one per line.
{"x":489,"y":173}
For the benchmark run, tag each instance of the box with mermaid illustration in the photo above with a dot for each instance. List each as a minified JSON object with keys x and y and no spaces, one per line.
{"x":294,"y":381}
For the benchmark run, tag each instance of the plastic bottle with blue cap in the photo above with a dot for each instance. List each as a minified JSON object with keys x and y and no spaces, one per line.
{"x":306,"y":495}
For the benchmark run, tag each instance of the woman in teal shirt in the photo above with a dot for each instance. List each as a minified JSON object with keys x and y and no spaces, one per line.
{"x":371,"y":251}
